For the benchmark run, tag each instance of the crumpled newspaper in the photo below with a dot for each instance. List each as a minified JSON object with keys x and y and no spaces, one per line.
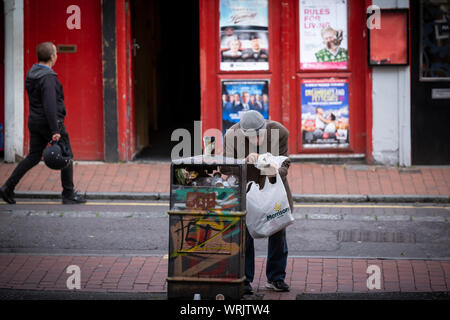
{"x":269,"y":164}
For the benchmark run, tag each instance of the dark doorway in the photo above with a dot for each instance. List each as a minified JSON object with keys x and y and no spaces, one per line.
{"x":430,"y":82}
{"x":2,"y":80}
{"x":167,"y":73}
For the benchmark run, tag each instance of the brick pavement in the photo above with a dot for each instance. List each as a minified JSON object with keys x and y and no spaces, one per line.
{"x":147,"y":274}
{"x":304,"y":178}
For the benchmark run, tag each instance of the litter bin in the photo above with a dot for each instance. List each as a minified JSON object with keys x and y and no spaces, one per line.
{"x":207,"y":228}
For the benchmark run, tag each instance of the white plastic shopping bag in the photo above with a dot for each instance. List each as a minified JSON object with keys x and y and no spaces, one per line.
{"x":269,"y":164}
{"x":268,"y":209}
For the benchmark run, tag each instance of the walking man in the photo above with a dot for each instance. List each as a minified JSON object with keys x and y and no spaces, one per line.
{"x":262,"y":136}
{"x":45,"y":123}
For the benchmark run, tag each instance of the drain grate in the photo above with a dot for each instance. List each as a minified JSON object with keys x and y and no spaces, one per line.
{"x":375,"y":236}
{"x":409,"y":170}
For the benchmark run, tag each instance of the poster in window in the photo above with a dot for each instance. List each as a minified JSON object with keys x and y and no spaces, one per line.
{"x":325,"y":113}
{"x":393,"y":26}
{"x":239,"y":96}
{"x":323,"y":34}
{"x":435,"y":40}
{"x":244,"y":41}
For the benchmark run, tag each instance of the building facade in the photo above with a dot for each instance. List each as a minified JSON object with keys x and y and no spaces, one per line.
{"x":135,"y":70}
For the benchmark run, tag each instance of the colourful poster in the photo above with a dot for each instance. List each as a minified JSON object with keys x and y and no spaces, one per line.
{"x":239,"y":96}
{"x":325,"y":113}
{"x":244,"y":41}
{"x":323,"y":34}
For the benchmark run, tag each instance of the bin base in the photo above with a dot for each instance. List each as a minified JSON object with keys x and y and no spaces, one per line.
{"x":184,"y":289}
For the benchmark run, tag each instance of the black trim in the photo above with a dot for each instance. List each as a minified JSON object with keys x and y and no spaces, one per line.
{"x":110,"y":102}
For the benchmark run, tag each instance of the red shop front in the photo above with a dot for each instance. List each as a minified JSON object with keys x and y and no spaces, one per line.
{"x":299,"y":62}
{"x":79,"y":66}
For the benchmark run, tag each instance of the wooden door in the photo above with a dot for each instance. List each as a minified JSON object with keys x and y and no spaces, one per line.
{"x":79,"y":66}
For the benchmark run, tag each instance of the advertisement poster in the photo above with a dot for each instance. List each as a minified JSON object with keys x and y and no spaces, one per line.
{"x":241,"y":96}
{"x":244,"y":41}
{"x":323,"y":34}
{"x":325,"y":113}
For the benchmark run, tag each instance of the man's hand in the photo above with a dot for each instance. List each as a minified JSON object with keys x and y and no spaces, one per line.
{"x":269,"y":172}
{"x":252,"y":158}
{"x":56,"y":137}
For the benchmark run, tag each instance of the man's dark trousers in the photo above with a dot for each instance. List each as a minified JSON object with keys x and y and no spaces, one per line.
{"x":276,"y":257}
{"x":40,"y":136}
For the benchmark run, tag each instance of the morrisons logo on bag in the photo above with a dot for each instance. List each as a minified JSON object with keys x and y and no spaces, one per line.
{"x":278,"y":212}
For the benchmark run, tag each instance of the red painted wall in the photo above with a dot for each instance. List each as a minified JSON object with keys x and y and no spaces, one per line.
{"x":80,"y":73}
{"x":125,"y":82}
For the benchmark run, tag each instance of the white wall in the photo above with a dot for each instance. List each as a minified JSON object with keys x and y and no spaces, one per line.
{"x":14,"y":79}
{"x":391,"y":108}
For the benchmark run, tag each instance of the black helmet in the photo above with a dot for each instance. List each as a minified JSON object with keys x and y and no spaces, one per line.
{"x":54,"y":156}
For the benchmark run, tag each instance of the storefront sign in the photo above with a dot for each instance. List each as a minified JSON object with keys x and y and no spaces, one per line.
{"x":323,"y":34}
{"x":244,"y":41}
{"x":239,"y":96}
{"x":440,"y":93}
{"x":325,"y":113}
{"x":442,"y":29}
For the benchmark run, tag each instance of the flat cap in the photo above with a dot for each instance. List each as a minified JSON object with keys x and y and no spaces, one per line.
{"x":251,"y":122}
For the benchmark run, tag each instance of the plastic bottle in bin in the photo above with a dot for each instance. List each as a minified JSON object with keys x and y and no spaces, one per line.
{"x":217,"y":180}
{"x":233,"y":181}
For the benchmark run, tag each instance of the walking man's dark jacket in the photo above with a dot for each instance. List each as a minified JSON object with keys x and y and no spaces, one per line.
{"x":46,"y":97}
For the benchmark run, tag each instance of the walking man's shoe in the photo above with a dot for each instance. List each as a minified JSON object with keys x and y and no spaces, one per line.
{"x":7,"y":194}
{"x":75,"y":198}
{"x":247,"y":288}
{"x":278,"y":285}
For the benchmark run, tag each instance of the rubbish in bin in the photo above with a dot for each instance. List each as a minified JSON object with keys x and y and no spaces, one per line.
{"x":233,"y":181}
{"x":185,"y":177}
{"x":218,"y":181}
{"x":203,"y":182}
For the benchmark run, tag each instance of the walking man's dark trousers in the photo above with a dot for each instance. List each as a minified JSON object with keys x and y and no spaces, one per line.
{"x":40,"y":136}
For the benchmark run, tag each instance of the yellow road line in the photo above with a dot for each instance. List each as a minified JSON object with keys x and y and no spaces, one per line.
{"x":166,"y":204}
{"x":149,"y":204}
{"x":143,"y":204}
{"x":366,"y":206}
